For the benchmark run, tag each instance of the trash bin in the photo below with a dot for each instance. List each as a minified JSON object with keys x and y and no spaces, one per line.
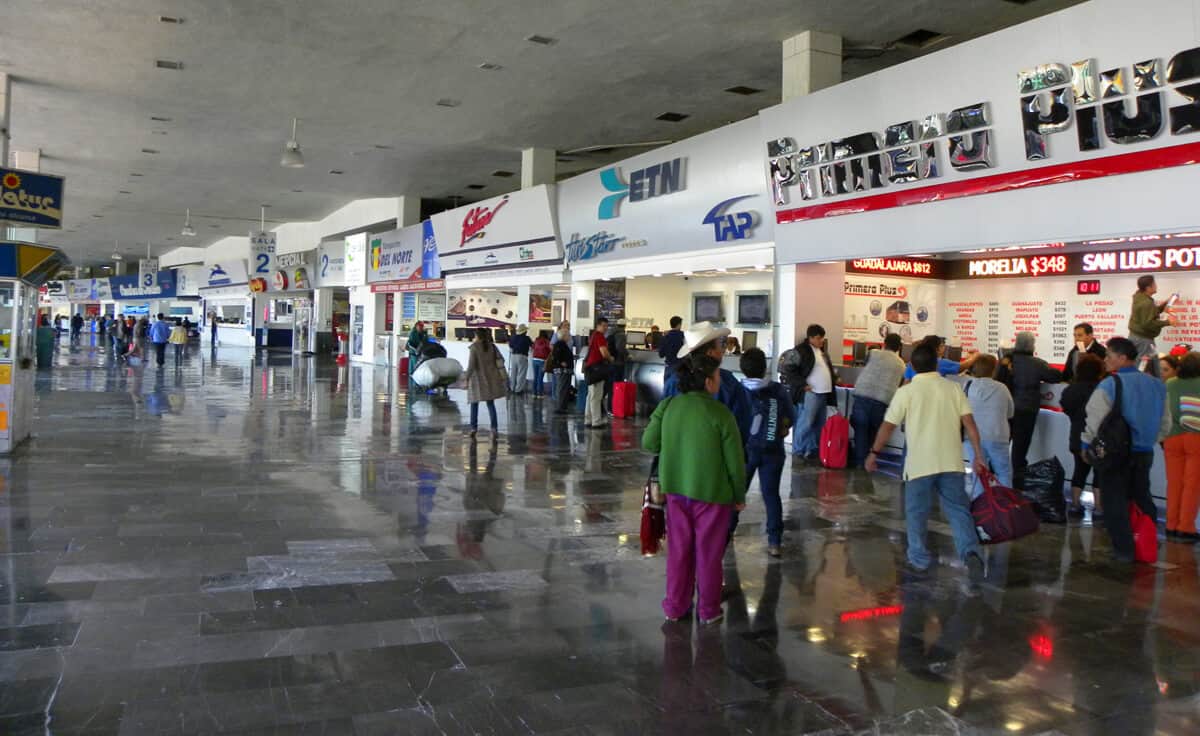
{"x":45,"y":347}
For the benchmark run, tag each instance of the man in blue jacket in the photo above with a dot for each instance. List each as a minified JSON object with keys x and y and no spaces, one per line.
{"x":160,"y":332}
{"x":1144,"y":407}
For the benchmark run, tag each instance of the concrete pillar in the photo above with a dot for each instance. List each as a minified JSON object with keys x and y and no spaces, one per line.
{"x":537,"y":166}
{"x":811,"y":61}
{"x":408,"y":210}
{"x":5,"y":113}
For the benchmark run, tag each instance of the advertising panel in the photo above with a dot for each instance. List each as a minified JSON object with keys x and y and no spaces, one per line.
{"x":356,"y":260}
{"x":330,"y":269}
{"x":515,"y":229}
{"x":130,"y":287}
{"x":30,"y":199}
{"x":395,"y":255}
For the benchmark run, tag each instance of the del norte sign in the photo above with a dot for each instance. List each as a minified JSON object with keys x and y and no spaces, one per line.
{"x":31,"y":199}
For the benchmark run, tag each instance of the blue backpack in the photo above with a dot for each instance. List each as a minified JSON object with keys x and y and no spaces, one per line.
{"x":769,"y":424}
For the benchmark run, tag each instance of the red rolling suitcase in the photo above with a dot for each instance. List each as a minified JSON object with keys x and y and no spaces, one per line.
{"x":624,"y":402}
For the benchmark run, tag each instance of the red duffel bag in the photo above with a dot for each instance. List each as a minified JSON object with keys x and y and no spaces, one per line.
{"x":1001,"y":514}
{"x":1145,"y":535}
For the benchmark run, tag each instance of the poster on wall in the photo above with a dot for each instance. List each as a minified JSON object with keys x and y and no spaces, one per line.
{"x":431,"y":307}
{"x":539,"y":305}
{"x":876,"y":306}
{"x":395,"y":255}
{"x":483,"y":308}
{"x":512,"y":230}
{"x":610,"y":300}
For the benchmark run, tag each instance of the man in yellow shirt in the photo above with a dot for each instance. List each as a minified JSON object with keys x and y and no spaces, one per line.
{"x":933,"y":411}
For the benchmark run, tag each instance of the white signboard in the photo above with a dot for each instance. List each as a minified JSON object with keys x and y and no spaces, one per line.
{"x":515,"y":229}
{"x":698,"y":194}
{"x":330,"y":268}
{"x":226,"y":273}
{"x":262,"y":255}
{"x":356,"y":260}
{"x":395,"y":255}
{"x":147,"y":270}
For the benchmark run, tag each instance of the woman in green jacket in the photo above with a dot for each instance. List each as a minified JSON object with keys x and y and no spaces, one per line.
{"x":702,"y":471}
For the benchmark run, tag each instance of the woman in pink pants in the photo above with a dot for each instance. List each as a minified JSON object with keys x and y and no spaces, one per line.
{"x":702,"y":470}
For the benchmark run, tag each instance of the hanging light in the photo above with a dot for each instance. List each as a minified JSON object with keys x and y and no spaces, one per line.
{"x":188,"y":230}
{"x":292,"y":158}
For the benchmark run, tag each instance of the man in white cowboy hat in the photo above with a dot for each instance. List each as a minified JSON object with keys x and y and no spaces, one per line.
{"x":519,"y":346}
{"x":703,"y":338}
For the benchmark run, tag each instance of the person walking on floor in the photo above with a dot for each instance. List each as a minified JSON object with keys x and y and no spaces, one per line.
{"x":1144,"y":407}
{"x":1024,"y":375}
{"x":704,"y":338}
{"x":992,"y":408}
{"x":212,"y":326}
{"x":772,"y":416}
{"x":159,"y":334}
{"x":485,"y":378}
{"x":596,"y":368}
{"x":873,"y":391}
{"x":702,"y":471}
{"x":519,"y":346}
{"x":1085,"y":344}
{"x":178,"y":338}
{"x":807,"y":371}
{"x":1146,"y":322}
{"x":114,"y":334}
{"x":934,"y":412}
{"x":1088,"y":370}
{"x":538,"y":354}
{"x":76,"y":327}
{"x":1182,"y":451}
{"x":562,"y":365}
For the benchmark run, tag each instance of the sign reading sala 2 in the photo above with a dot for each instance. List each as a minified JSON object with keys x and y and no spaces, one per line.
{"x":1051,"y":96}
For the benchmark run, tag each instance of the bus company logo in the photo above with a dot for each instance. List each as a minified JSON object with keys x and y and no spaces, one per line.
{"x":730,"y":226}
{"x":1051,"y":97}
{"x":653,"y":181}
{"x":584,"y":249}
{"x":490,"y":259}
{"x":525,"y":254}
{"x":217,"y":276}
{"x":376,"y":253}
{"x":478,"y":219}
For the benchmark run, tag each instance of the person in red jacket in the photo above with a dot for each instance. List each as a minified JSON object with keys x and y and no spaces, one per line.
{"x":539,"y":354}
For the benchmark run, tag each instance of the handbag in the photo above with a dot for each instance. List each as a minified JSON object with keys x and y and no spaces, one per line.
{"x":1001,"y":514}
{"x":595,"y":373}
{"x":653,"y":487}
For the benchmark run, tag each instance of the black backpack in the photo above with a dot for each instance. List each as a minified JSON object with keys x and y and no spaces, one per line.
{"x":769,"y":424}
{"x":1113,"y":443}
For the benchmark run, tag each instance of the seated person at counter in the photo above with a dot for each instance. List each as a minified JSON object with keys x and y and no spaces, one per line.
{"x":1085,"y":342}
{"x":1024,"y":375}
{"x":654,"y":338}
{"x":732,"y":346}
{"x":669,"y":345}
{"x":945,"y":366}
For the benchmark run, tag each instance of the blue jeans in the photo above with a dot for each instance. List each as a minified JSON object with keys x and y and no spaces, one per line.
{"x":769,"y":466}
{"x":998,"y":458}
{"x":918,"y":506}
{"x":810,"y":413}
{"x":491,"y":405}
{"x":866,"y":417}
{"x":539,"y":370}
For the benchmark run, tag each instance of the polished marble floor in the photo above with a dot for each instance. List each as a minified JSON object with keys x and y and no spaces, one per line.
{"x":267,"y":546}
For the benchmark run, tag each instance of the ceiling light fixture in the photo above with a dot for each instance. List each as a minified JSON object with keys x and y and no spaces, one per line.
{"x":292,"y":158}
{"x":188,"y":230}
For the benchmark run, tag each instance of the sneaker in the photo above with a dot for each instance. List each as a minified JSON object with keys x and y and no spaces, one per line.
{"x":1075,"y":511}
{"x":774,"y":551}
{"x":976,"y":571}
{"x":713,"y":621}
{"x":912,"y":569}
{"x":686,"y":616}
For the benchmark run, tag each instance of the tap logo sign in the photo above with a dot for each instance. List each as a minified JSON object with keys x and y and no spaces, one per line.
{"x":477,"y":220}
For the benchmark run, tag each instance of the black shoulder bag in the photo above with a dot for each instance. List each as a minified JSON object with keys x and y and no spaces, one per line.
{"x":1113,"y":443}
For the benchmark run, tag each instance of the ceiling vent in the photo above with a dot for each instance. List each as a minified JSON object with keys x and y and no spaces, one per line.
{"x":1019,"y":2}
{"x":502,"y":174}
{"x":476,"y":186}
{"x":136,"y":174}
{"x":743,"y":90}
{"x":922,"y":38}
{"x":672,"y":117}
{"x":488,"y":66}
{"x":124,"y":191}
{"x":150,"y":150}
{"x":447,"y":102}
{"x":336,"y":172}
{"x":160,"y":119}
{"x":168,"y":64}
{"x":541,"y":40}
{"x":170,"y":19}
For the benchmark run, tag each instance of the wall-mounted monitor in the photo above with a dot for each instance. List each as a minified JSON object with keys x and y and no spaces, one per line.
{"x":708,"y":307}
{"x":753,"y":307}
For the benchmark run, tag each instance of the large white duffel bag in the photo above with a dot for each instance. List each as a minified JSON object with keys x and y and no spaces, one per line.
{"x":437,"y":372}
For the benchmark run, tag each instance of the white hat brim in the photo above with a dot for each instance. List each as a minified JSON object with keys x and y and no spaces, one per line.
{"x":709,"y":336}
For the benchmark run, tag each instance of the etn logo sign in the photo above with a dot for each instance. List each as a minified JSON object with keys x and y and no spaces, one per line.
{"x":730,"y":225}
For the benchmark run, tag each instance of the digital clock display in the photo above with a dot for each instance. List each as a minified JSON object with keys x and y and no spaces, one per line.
{"x":1089,"y":287}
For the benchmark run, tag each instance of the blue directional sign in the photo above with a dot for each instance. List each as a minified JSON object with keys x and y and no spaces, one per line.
{"x":29,"y":199}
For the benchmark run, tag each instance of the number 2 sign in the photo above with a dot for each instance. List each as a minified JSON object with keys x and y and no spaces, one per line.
{"x":262,"y":254}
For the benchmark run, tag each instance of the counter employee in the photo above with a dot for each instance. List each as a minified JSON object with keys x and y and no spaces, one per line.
{"x":1145,"y":322}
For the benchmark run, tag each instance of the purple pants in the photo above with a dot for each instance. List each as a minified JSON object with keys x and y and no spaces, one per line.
{"x":696,"y":533}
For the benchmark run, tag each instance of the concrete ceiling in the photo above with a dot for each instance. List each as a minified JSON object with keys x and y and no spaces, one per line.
{"x":365,"y":76}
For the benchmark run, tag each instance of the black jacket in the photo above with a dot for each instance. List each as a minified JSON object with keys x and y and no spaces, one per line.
{"x":1074,"y":404}
{"x":796,"y":364}
{"x":1025,"y":377}
{"x":561,"y":357}
{"x":1069,"y":369}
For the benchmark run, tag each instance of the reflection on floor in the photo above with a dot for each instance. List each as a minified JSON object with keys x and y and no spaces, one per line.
{"x":256,"y":545}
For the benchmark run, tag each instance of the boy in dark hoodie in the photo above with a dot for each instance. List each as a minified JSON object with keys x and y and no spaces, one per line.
{"x":773,"y":414}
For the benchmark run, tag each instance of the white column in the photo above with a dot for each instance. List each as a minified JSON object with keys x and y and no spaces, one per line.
{"x":408,"y":210}
{"x":523,"y":305}
{"x":537,"y":166}
{"x":811,"y":61}
{"x":5,"y":115}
